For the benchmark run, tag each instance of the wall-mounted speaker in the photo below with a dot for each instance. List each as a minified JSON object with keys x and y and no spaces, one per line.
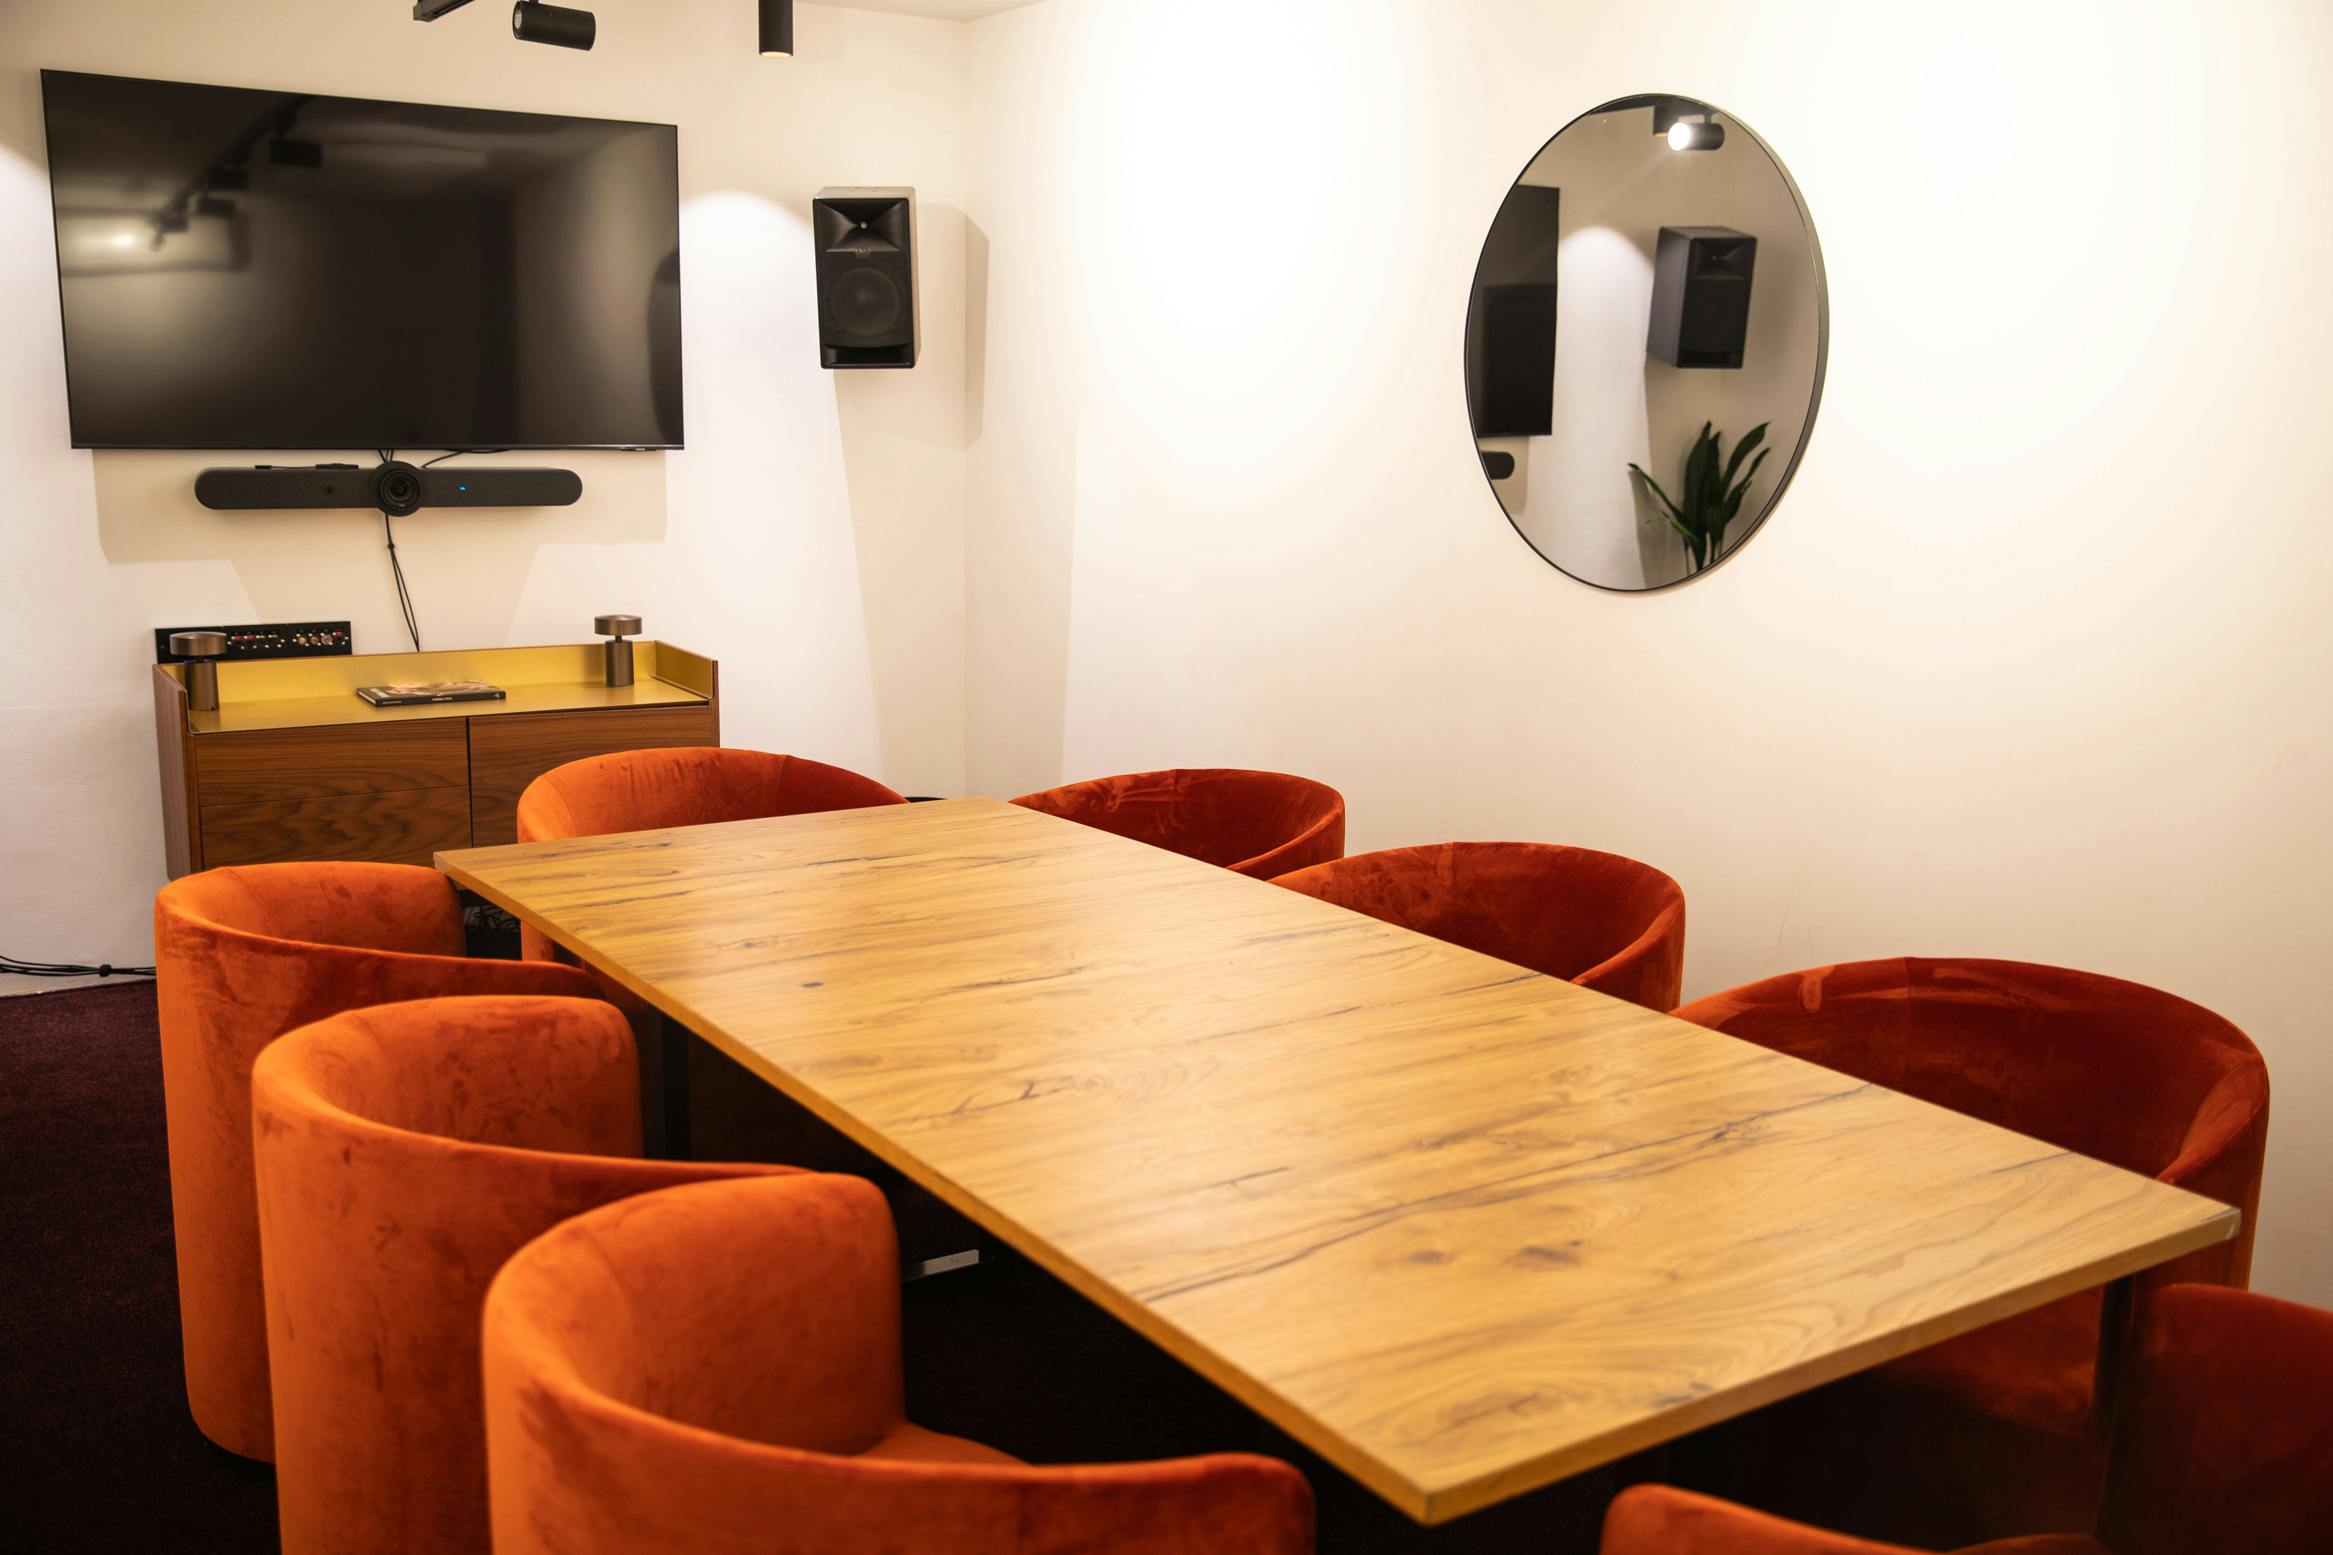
{"x":866,"y":277}
{"x":1701,"y":296}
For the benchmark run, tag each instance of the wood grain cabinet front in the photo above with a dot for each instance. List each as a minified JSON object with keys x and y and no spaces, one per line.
{"x":404,"y":827}
{"x":506,"y":754}
{"x":392,"y":794}
{"x":273,"y":766}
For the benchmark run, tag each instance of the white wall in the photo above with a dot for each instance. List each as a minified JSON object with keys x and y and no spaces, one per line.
{"x":1616,"y":405}
{"x":2030,"y":662}
{"x":811,"y":536}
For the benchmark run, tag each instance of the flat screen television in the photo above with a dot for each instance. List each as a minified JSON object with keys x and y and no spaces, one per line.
{"x":263,"y":270}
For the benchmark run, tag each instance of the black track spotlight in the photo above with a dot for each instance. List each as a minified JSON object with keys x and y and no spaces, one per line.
{"x":777,"y":27}
{"x":533,"y":22}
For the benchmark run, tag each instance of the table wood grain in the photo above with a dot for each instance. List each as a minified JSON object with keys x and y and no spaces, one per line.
{"x":1462,"y":1229}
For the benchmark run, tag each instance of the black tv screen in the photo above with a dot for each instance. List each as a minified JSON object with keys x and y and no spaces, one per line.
{"x":259,"y":270}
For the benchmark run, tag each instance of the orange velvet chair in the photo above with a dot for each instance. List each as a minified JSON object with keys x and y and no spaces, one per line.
{"x":404,"y":1152}
{"x":242,"y":955}
{"x":2223,"y":1441}
{"x":2003,"y":1419}
{"x":1251,"y":823}
{"x":716,"y":1370}
{"x":684,"y":786}
{"x":1595,"y":919}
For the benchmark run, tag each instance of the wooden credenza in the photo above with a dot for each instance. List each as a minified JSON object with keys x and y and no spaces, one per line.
{"x":293,"y":765}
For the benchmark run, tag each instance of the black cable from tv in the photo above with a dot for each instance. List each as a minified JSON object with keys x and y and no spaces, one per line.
{"x":15,"y":968}
{"x":397,"y":571}
{"x":396,"y":567}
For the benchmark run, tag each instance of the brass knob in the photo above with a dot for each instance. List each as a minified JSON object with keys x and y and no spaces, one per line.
{"x":198,"y":645}
{"x":616,"y":626}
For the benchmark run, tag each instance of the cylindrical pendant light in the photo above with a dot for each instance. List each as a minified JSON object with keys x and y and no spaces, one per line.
{"x":777,"y":27}
{"x":533,"y":21}
{"x":1686,"y":135}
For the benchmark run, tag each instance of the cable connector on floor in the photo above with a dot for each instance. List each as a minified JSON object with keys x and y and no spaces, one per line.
{"x":12,"y":967}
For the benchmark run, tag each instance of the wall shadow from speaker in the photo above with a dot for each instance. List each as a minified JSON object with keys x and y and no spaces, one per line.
{"x":903,"y":437}
{"x":469,"y":568}
{"x":1020,"y":529}
{"x":975,"y":332}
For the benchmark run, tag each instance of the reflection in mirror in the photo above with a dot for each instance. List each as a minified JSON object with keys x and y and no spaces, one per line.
{"x":1645,"y":342}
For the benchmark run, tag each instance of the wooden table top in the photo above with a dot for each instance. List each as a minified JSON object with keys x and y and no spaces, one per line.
{"x":1462,"y":1229}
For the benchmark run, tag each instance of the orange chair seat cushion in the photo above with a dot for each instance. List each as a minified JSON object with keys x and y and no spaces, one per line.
{"x":2037,"y":1369}
{"x":1596,"y":919}
{"x":1252,"y":823}
{"x":908,"y":1442}
{"x":1659,"y":1520}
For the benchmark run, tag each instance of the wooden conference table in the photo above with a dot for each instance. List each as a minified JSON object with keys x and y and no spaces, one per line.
{"x":1462,"y":1229}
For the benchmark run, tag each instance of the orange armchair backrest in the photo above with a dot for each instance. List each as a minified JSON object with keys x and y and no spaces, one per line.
{"x":403,"y":1153}
{"x":1596,"y":919}
{"x":241,"y":956}
{"x":2223,"y":1441}
{"x":2224,"y":1434}
{"x":690,"y":1372}
{"x":2110,"y":1069}
{"x":686,"y":786}
{"x":1252,"y":823}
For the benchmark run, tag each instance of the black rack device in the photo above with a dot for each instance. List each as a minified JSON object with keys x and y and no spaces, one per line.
{"x":269,"y":640}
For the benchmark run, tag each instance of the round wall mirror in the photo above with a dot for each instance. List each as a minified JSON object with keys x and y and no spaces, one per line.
{"x":1645,"y":342}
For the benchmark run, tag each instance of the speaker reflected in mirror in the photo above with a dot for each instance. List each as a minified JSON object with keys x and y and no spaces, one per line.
{"x":1645,"y":342}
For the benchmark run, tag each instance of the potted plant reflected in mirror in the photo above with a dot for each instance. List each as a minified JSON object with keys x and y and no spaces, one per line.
{"x":1711,"y":496}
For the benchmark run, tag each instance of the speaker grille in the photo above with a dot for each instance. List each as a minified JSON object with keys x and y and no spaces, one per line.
{"x":865,"y":304}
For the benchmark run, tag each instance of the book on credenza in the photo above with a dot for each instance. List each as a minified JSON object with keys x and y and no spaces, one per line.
{"x":431,"y":691}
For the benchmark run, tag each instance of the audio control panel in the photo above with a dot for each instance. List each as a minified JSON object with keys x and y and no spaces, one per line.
{"x":269,"y":640}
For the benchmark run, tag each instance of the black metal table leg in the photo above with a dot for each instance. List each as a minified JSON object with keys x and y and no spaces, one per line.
{"x":673,"y":1100}
{"x":2115,"y":1306}
{"x":663,"y":1048}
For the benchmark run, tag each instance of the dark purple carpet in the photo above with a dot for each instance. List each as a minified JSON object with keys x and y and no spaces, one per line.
{"x":97,"y":1451}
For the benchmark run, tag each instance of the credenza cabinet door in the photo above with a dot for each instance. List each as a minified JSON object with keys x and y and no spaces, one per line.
{"x":509,"y":752}
{"x":396,"y":793}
